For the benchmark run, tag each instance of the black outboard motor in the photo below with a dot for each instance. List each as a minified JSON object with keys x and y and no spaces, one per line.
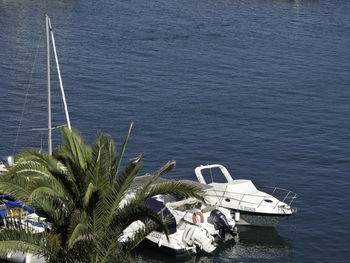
{"x":219,"y":220}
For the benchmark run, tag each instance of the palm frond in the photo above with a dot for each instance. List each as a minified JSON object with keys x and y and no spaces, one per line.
{"x":91,"y":188}
{"x":123,"y":183}
{"x":121,"y":153}
{"x":74,"y":144}
{"x":54,"y":210}
{"x":17,"y":238}
{"x":104,"y":144}
{"x":43,"y":191}
{"x":42,"y":158}
{"x":133,"y":211}
{"x":78,"y":227}
{"x":183,"y":189}
{"x":13,"y":189}
{"x":102,"y":162}
{"x":139,"y":236}
{"x":165,"y":168}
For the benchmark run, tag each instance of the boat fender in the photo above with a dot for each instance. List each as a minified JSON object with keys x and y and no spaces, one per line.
{"x":194,"y":217}
{"x":237,"y":216}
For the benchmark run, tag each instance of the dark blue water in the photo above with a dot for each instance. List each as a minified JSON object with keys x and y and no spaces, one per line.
{"x":260,"y":86}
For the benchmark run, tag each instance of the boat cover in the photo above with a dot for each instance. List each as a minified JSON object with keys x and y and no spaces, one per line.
{"x":159,"y":206}
{"x":12,"y":204}
{"x":3,"y":213}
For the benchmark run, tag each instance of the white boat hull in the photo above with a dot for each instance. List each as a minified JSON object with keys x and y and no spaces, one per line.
{"x":262,"y":220}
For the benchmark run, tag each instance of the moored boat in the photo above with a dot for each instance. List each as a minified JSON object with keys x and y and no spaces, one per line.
{"x":193,"y":226}
{"x":247,"y":204}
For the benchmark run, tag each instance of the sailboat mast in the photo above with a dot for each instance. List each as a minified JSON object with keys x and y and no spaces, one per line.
{"x":59,"y":76}
{"x":49,"y":128}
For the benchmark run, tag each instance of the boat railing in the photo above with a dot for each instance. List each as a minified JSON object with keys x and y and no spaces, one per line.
{"x":282,"y":195}
{"x":287,"y":196}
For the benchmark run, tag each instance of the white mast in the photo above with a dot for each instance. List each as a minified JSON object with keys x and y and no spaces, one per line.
{"x":59,"y":77}
{"x":49,"y":128}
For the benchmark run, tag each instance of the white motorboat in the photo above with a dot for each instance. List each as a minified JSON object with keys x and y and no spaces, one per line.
{"x":193,"y":226}
{"x":249,"y":205}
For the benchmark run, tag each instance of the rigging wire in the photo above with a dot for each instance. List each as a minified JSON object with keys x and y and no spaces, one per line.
{"x":59,"y":75}
{"x":26,"y":96}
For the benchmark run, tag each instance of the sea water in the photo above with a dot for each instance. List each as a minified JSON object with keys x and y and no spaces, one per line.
{"x":260,"y":86}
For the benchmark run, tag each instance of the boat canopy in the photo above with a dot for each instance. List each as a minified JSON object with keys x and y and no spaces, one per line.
{"x":159,"y":207}
{"x":12,"y":204}
{"x":240,"y":186}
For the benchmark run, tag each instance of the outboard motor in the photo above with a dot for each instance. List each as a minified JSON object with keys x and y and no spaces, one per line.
{"x":219,"y":220}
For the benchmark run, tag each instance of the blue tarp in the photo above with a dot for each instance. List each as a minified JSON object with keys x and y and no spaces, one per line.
{"x":13,"y":204}
{"x":3,"y":213}
{"x":159,"y":206}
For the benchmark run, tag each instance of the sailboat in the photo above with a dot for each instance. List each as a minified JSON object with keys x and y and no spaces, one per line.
{"x":14,"y":210}
{"x":9,"y":161}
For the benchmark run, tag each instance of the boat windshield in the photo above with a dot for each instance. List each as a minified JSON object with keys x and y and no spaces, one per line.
{"x":213,"y":175}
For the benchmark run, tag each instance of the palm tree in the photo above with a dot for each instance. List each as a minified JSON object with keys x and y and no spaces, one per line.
{"x":85,"y":197}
